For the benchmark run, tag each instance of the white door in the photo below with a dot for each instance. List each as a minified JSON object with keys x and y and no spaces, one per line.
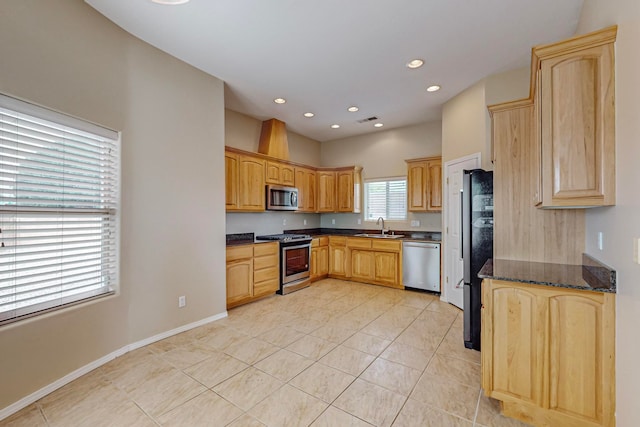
{"x":453,"y":265}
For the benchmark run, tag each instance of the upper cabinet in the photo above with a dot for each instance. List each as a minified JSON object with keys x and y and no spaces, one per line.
{"x":424,"y":184}
{"x":576,"y":112}
{"x":349,"y":183}
{"x":231,"y":180}
{"x":251,"y":190}
{"x":305,"y":182}
{"x":279,"y":173}
{"x":326,"y":191}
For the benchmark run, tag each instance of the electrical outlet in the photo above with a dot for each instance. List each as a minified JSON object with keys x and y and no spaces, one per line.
{"x":304,"y":222}
{"x":182,"y":301}
{"x":284,"y":222}
{"x":415,"y":223}
{"x":359,"y":221}
{"x":600,"y":243}
{"x":333,"y":221}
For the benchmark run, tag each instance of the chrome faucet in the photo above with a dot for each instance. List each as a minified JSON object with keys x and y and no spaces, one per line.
{"x":378,"y":223}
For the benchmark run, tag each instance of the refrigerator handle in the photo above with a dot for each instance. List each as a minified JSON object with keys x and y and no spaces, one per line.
{"x":460,"y":234}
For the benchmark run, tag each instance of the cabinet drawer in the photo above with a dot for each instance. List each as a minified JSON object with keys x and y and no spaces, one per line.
{"x":324,"y":240}
{"x":315,"y":242}
{"x":263,"y":249}
{"x":266,"y":287}
{"x":386,"y":245}
{"x":239,"y":252}
{"x":266,"y":261}
{"x":360,"y":243}
{"x":337,"y":240}
{"x":265,"y":274}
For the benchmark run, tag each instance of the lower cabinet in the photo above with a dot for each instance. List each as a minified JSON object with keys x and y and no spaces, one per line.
{"x":319,"y":258}
{"x":337,"y":256}
{"x":370,"y":260}
{"x":549,"y":353}
{"x":362,"y":265}
{"x":252,"y":272}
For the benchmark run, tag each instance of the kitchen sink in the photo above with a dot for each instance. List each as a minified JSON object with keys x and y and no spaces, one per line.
{"x":381,"y":236}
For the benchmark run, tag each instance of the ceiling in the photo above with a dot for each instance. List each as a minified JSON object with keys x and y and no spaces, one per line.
{"x":325,"y":56}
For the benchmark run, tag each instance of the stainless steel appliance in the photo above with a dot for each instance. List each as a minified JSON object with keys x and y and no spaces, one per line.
{"x":477,"y":246}
{"x":281,"y":198}
{"x":295,"y":260}
{"x":421,"y":265}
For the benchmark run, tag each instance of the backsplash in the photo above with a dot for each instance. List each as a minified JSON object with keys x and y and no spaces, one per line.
{"x":428,"y":222}
{"x":269,"y":222}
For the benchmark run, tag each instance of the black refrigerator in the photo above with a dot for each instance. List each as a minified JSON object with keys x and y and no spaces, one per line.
{"x":477,"y":245}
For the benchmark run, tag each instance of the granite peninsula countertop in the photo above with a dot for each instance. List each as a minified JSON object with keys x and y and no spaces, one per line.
{"x":590,"y":276}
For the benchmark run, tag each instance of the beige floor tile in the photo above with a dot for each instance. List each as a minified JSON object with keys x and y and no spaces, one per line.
{"x":248,"y":388}
{"x":224,"y":338}
{"x":216,"y":369}
{"x":281,"y":336}
{"x":422,"y":337}
{"x":437,"y":321}
{"x":489,"y":415}
{"x":417,"y":299}
{"x":392,"y":376}
{"x":311,"y":347}
{"x":284,"y":364}
{"x":453,"y":346}
{"x":288,"y":407}
{"x":367,"y":343}
{"x":251,"y":351}
{"x":403,"y":312}
{"x":160,"y":394}
{"x":407,"y":355}
{"x":201,"y":411}
{"x":323,"y":382}
{"x":415,"y":414}
{"x":456,"y":369}
{"x":334,"y":417}
{"x":370,"y":402}
{"x":204,"y":330}
{"x":246,"y":421}
{"x":132,"y":368}
{"x":347,"y":360}
{"x":447,"y":395}
{"x":170,"y":343}
{"x":333,"y":332}
{"x":383,"y":328}
{"x":27,"y":417}
{"x":305,"y":325}
{"x":187,"y":355}
{"x":443,"y":307}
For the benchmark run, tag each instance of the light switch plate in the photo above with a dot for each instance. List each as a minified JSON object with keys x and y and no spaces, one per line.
{"x":333,"y":221}
{"x":359,"y":221}
{"x":415,"y":223}
{"x":304,"y":222}
{"x":636,"y":250}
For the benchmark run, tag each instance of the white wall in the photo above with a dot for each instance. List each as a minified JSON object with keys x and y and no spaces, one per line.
{"x":383,"y":154}
{"x":620,"y":224}
{"x":64,"y":55}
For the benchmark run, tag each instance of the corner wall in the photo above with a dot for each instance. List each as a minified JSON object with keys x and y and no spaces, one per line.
{"x":619,"y":224}
{"x":64,"y":55}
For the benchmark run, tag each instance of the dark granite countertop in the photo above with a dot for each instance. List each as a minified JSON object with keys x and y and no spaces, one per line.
{"x":421,"y":236}
{"x":590,"y":276}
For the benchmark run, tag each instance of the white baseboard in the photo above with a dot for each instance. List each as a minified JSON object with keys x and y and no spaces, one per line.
{"x":33,"y":397}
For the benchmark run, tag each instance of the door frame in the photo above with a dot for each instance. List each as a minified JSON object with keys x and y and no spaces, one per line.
{"x":445,"y":209}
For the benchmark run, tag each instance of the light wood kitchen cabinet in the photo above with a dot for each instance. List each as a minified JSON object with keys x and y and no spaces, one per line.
{"x":251,"y":186}
{"x":349,"y":190}
{"x":577,"y":120}
{"x":424,"y":184}
{"x":362,"y":265}
{"x":319,"y":258}
{"x":337,"y":256}
{"x":326,"y":201}
{"x":375,"y":261}
{"x":548,"y":353}
{"x":386,"y":268}
{"x":279,"y":173}
{"x":305,"y":182}
{"x":231,"y":180}
{"x":252,"y":272}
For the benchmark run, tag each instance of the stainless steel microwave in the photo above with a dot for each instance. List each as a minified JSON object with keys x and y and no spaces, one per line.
{"x":282,"y":198}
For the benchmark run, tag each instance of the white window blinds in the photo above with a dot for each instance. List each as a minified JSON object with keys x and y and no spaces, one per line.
{"x":58,"y":204}
{"x":386,"y":198}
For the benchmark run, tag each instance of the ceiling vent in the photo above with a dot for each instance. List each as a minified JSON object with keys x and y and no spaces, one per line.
{"x":368,"y":119}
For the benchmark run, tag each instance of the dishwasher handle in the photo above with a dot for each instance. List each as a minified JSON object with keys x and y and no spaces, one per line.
{"x":421,"y":245}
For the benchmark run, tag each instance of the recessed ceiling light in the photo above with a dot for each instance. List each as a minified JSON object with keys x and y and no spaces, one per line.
{"x":378,"y":125}
{"x":353,"y":109}
{"x":415,"y":63}
{"x":335,"y":126}
{"x":279,"y":100}
{"x":433,"y":88}
{"x":170,"y":2}
{"x":308,"y":114}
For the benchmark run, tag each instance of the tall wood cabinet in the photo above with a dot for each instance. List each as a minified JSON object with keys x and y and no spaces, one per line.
{"x":244,"y":182}
{"x":576,"y":112}
{"x":548,"y":353}
{"x":231,"y":181}
{"x":424,"y":184}
{"x":349,"y":187}
{"x":305,"y":182}
{"x":326,"y":201}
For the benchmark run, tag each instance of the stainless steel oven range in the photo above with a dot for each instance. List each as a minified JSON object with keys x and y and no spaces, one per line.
{"x":295,"y":260}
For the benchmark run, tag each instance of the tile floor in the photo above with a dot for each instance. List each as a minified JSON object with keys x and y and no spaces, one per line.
{"x":335,"y":354}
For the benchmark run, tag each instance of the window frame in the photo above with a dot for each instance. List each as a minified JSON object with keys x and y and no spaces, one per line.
{"x":386,"y":180}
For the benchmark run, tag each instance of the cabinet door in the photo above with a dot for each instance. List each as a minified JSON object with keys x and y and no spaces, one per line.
{"x":580,"y":362}
{"x":239,"y":280}
{"x":578,"y":128}
{"x":362,"y":264}
{"x":326,"y":191}
{"x":386,"y":268}
{"x":251,"y":189}
{"x":305,"y":182}
{"x":314,"y":268}
{"x":434,"y":185}
{"x":338,"y":260}
{"x":231,"y":180}
{"x":513,"y":327}
{"x":345,"y":191}
{"x":272,"y":173}
{"x":287,"y":175}
{"x":323,"y":260}
{"x":417,"y":186}
{"x":310,"y":201}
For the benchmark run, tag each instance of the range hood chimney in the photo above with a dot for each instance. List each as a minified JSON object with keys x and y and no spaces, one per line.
{"x":273,"y":139}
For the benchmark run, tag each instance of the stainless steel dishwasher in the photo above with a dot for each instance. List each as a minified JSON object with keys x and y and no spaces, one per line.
{"x":421,"y":265}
